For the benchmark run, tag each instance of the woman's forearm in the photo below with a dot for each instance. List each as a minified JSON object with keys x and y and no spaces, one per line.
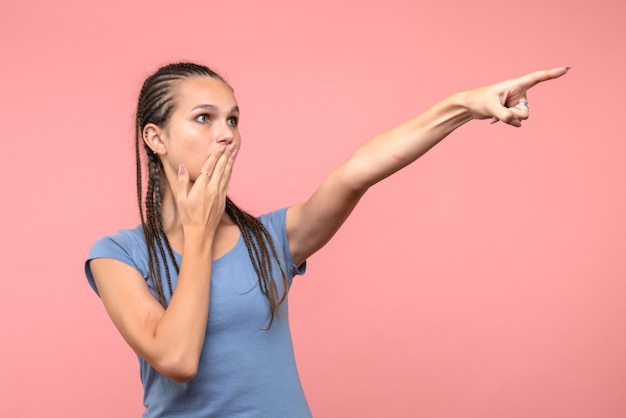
{"x":181,"y":330}
{"x":397,"y":147}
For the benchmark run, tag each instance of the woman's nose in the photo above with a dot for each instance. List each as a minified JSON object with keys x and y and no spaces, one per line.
{"x":225,"y":134}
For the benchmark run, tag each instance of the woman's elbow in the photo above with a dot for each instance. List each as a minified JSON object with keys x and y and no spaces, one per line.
{"x":180,"y":370}
{"x":183,"y":376}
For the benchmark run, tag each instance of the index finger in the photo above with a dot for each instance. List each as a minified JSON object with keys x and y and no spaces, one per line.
{"x":529,"y":80}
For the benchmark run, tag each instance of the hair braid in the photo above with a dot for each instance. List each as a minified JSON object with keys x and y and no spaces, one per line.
{"x":257,"y":240}
{"x":155,"y":105}
{"x":153,"y":228}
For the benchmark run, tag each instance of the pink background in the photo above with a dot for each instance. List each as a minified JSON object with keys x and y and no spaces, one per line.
{"x":487,"y":280}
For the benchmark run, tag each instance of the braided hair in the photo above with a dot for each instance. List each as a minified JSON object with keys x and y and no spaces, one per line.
{"x":155,"y":105}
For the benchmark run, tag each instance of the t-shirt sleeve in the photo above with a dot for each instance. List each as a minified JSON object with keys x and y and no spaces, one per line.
{"x":276,"y":223}
{"x":119,"y":247}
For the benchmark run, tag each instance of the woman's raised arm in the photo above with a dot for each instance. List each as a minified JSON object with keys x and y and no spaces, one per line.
{"x":311,"y":224}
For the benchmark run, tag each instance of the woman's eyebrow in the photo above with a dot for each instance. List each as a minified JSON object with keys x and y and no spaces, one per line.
{"x":235,"y":109}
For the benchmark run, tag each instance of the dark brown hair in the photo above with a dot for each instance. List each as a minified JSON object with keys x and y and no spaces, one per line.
{"x":155,"y":105}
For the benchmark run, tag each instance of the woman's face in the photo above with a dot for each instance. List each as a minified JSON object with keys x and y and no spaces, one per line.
{"x":205,"y":118}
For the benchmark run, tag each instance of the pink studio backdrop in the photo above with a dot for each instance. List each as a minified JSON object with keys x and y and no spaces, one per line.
{"x":487,"y":280}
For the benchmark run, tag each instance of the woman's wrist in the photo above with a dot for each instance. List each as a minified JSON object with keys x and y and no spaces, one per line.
{"x":197,"y":239}
{"x":458,"y":104}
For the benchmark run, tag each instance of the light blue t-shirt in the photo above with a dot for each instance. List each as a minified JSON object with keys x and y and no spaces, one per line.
{"x":244,"y":371}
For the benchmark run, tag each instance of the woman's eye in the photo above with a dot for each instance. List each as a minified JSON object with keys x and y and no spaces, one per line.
{"x":233,"y":121}
{"x":202,"y":118}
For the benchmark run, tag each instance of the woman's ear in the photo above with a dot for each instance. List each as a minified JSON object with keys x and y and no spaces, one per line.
{"x":152,"y":137}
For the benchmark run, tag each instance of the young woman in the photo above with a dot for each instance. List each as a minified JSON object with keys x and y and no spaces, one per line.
{"x":199,"y":288}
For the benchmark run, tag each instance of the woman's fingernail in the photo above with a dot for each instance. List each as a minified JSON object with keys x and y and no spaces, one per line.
{"x":234,"y":153}
{"x":181,"y":169}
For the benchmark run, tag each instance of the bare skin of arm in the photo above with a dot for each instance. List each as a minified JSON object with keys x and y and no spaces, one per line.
{"x":311,"y":224}
{"x":171,"y":340}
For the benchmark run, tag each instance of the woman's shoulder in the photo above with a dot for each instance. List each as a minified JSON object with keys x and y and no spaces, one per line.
{"x":275,"y":219}
{"x":126,"y":245}
{"x":127,"y":240}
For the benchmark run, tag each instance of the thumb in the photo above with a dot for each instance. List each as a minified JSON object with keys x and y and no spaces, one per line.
{"x":503,"y":114}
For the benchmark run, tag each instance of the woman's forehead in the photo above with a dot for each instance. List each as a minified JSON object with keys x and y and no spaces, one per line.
{"x":194,"y":91}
